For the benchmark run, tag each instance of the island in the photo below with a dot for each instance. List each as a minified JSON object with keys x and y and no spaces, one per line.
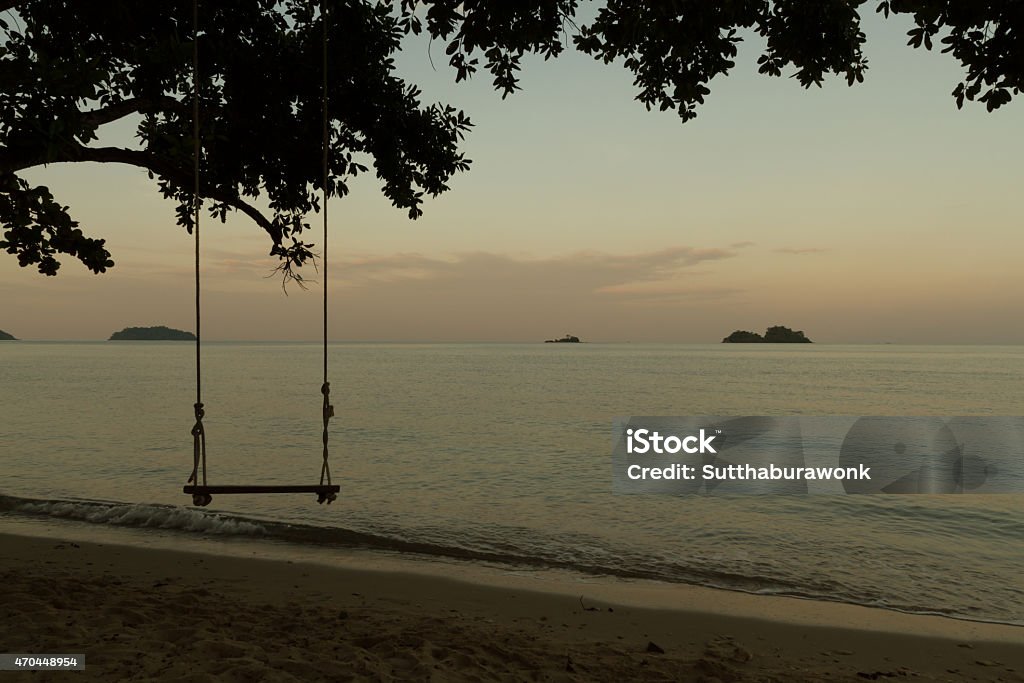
{"x":7,"y":337}
{"x":567,"y":339}
{"x":773,"y":335}
{"x":158,"y":333}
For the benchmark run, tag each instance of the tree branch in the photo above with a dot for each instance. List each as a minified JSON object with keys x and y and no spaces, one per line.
{"x":98,"y":117}
{"x":12,"y":162}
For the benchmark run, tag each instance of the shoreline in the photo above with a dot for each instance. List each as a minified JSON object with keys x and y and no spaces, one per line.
{"x":182,"y":615}
{"x":636,"y":590}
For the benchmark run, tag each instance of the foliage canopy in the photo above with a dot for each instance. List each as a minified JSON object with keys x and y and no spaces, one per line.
{"x":70,"y":67}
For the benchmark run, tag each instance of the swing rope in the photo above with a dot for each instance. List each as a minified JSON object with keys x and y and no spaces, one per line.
{"x":325,"y":388}
{"x":198,"y":433}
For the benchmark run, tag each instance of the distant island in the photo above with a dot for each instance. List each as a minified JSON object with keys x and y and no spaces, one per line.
{"x":7,"y":337}
{"x":567,"y":339}
{"x":773,"y":335}
{"x":158,"y":333}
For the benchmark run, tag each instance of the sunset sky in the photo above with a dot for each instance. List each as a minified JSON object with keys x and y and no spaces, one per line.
{"x":866,"y":214}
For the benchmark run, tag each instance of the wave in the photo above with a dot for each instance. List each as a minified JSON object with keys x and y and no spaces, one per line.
{"x":511,"y":551}
{"x":133,"y":515}
{"x":584,"y":558}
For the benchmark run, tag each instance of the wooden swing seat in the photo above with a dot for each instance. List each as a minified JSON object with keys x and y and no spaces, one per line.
{"x":319,"y":489}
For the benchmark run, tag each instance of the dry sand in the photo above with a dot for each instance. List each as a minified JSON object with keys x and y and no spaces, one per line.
{"x":140,"y":613}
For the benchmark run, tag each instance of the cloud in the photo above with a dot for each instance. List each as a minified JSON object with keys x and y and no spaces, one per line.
{"x":658,"y":293}
{"x":656,"y":273}
{"x":645,"y":274}
{"x":741,"y":245}
{"x":801,"y":251}
{"x":394,"y":268}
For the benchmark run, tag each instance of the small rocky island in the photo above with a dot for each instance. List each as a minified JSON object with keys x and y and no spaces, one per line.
{"x":567,"y":339}
{"x":773,"y":335}
{"x":7,"y":337}
{"x":158,"y":333}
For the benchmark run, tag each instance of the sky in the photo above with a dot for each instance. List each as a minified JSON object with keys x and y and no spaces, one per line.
{"x":877,"y":213}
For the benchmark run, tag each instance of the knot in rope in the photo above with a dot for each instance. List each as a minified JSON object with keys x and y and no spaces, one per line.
{"x":198,"y":445}
{"x":328,"y":408}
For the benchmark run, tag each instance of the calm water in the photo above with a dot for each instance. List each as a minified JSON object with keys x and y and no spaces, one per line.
{"x":501,"y":453}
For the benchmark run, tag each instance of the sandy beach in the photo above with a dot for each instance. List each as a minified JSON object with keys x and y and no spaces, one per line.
{"x":151,"y":614}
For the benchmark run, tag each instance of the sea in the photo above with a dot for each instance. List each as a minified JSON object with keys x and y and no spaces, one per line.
{"x":499,"y":455}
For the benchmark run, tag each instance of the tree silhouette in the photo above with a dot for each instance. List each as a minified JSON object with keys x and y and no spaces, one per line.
{"x":70,"y":67}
